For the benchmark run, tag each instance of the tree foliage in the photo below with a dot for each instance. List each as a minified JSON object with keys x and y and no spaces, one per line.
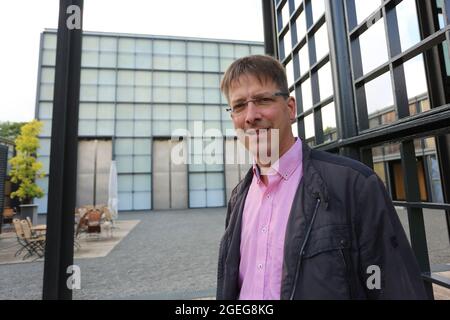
{"x":10,"y":130}
{"x":25,"y":169}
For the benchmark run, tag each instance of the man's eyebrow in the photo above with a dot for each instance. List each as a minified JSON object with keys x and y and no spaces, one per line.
{"x":256,"y":95}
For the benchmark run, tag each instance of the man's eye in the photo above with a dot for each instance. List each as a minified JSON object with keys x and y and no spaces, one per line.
{"x":238,"y":107}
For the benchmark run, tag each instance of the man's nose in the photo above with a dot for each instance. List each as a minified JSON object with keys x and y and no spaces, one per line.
{"x":253,"y":113}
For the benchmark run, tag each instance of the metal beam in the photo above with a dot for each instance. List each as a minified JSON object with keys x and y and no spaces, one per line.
{"x":270,"y":41}
{"x":63,"y":156}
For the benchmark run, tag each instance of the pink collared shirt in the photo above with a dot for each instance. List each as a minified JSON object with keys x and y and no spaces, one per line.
{"x":264,"y":221}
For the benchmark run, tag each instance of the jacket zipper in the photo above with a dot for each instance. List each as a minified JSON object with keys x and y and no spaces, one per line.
{"x":302,"y":250}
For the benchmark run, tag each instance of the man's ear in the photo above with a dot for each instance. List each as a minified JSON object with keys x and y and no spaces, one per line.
{"x":292,"y":106}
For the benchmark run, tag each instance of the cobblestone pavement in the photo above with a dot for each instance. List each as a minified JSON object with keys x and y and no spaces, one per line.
{"x":168,"y":255}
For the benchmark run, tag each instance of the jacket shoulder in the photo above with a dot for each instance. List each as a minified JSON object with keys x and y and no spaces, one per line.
{"x":344,"y":162}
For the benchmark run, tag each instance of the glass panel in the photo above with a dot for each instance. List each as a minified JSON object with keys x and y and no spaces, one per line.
{"x":124,"y":111}
{"x":142,"y":163}
{"x":303,"y":56}
{"x":86,"y":128}
{"x":47,"y":75}
{"x":416,"y":81}
{"x":125,"y":182}
{"x":287,"y":44}
{"x":108,"y":44}
{"x":197,"y":181}
{"x":142,"y":111}
{"x":50,"y":41}
{"x":161,"y":62}
{"x":125,"y":201}
{"x":142,"y":128}
{"x":197,"y":199}
{"x":307,"y":94}
{"x":227,"y":50}
{"x":161,"y":112}
{"x":215,"y":198}
{"x":373,"y":46}
{"x":126,"y":45}
{"x":144,"y":45}
{"x":88,"y":92}
{"x":142,"y":146}
{"x":177,"y":47}
{"x":105,"y":127}
{"x":88,"y":111}
{"x":178,"y":63}
{"x":329,"y":122}
{"x":106,"y":93}
{"x":46,"y":92}
{"x":325,"y":81}
{"x":142,"y":201}
{"x":408,"y":24}
{"x":290,"y":73}
{"x":300,"y":25}
{"x":214,"y":180}
{"x":105,"y":111}
{"x":210,"y":50}
{"x":318,"y":9}
{"x":194,"y":49}
{"x":107,"y":59}
{"x":321,"y":42}
{"x":241,"y":51}
{"x":309,"y":126}
{"x":107,"y":77}
{"x":364,"y":8}
{"x":124,"y":164}
{"x":142,"y":182}
{"x":45,"y":110}
{"x":89,"y":59}
{"x":161,"y":47}
{"x":285,"y":14}
{"x":125,"y":128}
{"x":380,"y":99}
{"x":143,"y":61}
{"x":295,"y":129}
{"x":124,"y":146}
{"x":90,"y":43}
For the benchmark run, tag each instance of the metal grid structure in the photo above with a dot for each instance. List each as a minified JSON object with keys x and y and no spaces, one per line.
{"x":354,"y":28}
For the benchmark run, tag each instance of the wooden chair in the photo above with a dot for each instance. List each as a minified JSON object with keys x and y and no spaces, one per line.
{"x":35,"y":243}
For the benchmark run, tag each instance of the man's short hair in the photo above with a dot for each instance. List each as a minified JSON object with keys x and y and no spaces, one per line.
{"x":264,"y":68}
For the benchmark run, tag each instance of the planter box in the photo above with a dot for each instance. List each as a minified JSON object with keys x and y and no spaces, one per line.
{"x":29,"y":210}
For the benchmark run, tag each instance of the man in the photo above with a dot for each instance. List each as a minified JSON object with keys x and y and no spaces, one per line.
{"x":306,"y":224}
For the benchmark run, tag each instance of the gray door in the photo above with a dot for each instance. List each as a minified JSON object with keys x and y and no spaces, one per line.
{"x":94,"y":161}
{"x":169,"y":179}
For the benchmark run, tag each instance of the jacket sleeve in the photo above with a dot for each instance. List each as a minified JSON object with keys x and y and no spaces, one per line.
{"x":388,"y":267}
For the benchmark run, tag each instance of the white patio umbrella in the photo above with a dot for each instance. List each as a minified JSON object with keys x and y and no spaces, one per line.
{"x":113,"y":199}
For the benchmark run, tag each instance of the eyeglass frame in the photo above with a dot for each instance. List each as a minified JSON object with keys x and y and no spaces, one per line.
{"x":245,"y":103}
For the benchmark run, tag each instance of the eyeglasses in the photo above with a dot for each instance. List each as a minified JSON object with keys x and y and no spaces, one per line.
{"x":260,"y":101}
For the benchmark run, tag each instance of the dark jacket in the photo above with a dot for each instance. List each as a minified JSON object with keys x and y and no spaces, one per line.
{"x":341,"y":223}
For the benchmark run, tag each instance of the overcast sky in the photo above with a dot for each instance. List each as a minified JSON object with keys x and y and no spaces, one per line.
{"x":21,"y":23}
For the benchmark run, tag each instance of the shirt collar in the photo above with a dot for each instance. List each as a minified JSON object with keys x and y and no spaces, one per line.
{"x":286,"y":165}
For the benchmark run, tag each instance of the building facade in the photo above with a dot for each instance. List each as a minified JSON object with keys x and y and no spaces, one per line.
{"x":140,"y":97}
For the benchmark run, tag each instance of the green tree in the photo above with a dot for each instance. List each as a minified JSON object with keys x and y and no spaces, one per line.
{"x":10,"y":130}
{"x":24,"y":167}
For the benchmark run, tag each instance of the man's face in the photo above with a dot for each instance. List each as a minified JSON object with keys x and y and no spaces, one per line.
{"x":256,"y":124}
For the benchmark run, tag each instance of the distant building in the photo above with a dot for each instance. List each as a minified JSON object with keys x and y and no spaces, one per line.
{"x":135,"y":91}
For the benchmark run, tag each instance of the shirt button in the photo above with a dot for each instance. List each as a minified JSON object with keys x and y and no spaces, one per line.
{"x":268,"y":196}
{"x":260,"y":266}
{"x":264,"y":230}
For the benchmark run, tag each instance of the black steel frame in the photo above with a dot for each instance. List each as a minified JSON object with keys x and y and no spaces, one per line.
{"x":63,"y":158}
{"x":355,"y":138}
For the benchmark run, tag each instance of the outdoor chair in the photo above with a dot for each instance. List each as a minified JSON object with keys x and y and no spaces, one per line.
{"x":35,"y":243}
{"x":94,"y":221}
{"x":20,"y":237}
